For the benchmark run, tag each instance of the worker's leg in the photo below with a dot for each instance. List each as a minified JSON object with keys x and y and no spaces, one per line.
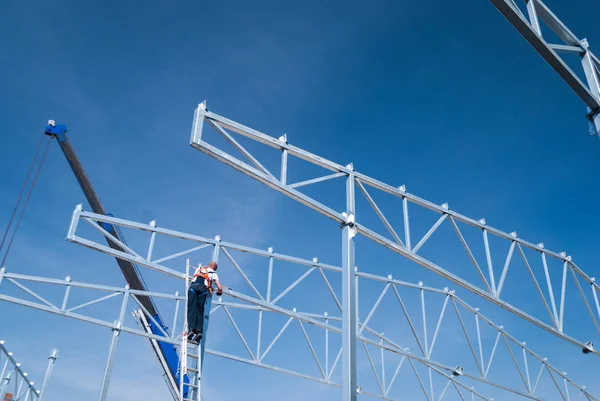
{"x":192,"y":310}
{"x":196,"y":315}
{"x":201,"y":300}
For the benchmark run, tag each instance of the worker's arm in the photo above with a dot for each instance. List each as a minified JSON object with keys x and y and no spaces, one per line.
{"x":219,"y":287}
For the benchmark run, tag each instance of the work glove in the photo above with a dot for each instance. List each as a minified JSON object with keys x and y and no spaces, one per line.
{"x":219,"y":292}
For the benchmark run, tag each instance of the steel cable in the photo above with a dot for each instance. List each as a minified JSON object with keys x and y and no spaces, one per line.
{"x":14,"y":212}
{"x":19,"y":218}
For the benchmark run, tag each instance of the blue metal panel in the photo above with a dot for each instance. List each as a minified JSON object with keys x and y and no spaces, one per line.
{"x":169,"y":353}
{"x":57,"y":130}
{"x":131,"y":271}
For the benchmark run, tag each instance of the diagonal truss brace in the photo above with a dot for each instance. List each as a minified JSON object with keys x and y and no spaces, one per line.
{"x":292,"y":314}
{"x":13,"y":380}
{"x":12,"y":376}
{"x":532,"y":32}
{"x":487,"y":292}
{"x":259,"y":303}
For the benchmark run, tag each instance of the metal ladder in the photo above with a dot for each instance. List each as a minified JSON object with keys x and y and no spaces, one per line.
{"x":191,"y":356}
{"x":190,"y":361}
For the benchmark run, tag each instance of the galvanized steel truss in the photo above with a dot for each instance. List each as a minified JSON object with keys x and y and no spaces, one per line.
{"x":529,"y":366}
{"x":490,"y":290}
{"x":493,"y":284}
{"x":126,"y":296}
{"x":15,"y":381}
{"x":530,"y":27}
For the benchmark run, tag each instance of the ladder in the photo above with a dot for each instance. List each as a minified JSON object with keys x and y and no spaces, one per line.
{"x":190,"y":354}
{"x":190,"y":368}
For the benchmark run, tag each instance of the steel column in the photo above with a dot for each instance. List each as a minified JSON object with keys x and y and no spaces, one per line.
{"x":349,"y":321}
{"x":257,"y":302}
{"x":113,"y":345}
{"x":327,"y":211}
{"x":208,"y":305}
{"x":51,"y":360}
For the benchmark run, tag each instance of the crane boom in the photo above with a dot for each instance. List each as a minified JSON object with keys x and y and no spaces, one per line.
{"x":166,"y":354}
{"x":127,"y":268}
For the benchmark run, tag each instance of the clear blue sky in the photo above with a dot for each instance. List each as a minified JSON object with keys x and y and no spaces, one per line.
{"x":444,"y":97}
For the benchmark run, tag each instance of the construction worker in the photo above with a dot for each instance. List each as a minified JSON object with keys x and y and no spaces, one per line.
{"x":201,"y":286}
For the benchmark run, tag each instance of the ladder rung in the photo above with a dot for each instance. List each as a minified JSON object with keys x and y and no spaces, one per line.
{"x":192,"y":370}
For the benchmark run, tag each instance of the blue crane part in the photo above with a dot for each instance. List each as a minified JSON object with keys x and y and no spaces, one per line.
{"x":166,"y":354}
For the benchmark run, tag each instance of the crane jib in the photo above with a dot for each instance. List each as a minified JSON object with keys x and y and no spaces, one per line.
{"x":167,"y":352}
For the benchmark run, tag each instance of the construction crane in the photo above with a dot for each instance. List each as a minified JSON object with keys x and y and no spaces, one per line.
{"x":166,"y":354}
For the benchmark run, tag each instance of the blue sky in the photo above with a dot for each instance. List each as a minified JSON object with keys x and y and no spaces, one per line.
{"x":445,"y":98}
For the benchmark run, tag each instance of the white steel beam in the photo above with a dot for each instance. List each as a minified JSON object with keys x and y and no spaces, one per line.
{"x":531,"y":31}
{"x":11,"y":371}
{"x":257,"y":302}
{"x":487,"y":292}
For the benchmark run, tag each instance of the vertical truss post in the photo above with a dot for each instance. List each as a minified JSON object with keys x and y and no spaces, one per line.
{"x":174,"y":326}
{"x":208,"y":305}
{"x":284,"y":161}
{"x":152,"y":240}
{"x":2,"y":375}
{"x":51,"y":360}
{"x":593,"y":78}
{"x":28,"y":394}
{"x":326,"y":347}
{"x":349,"y":320}
{"x":533,"y":17}
{"x":18,"y":383}
{"x":216,"y":249}
{"x":183,"y":355}
{"x":199,"y":113}
{"x":113,"y":345}
{"x":260,"y":312}
{"x":5,"y":381}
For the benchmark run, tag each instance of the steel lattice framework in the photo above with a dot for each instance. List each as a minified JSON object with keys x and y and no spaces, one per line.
{"x":491,"y":284}
{"x":539,"y":16}
{"x":355,"y":333}
{"x":15,"y":381}
{"x":486,"y":377}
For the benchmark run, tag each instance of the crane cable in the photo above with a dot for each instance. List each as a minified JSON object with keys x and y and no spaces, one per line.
{"x":14,"y":212}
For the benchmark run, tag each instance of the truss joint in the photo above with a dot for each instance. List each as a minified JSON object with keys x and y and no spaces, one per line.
{"x":593,"y":114}
{"x":588,"y":347}
{"x":349,"y":221}
{"x":117,"y":326}
{"x":457,"y":371}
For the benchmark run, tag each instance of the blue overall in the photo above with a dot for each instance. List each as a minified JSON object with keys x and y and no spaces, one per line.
{"x":196,"y":301}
